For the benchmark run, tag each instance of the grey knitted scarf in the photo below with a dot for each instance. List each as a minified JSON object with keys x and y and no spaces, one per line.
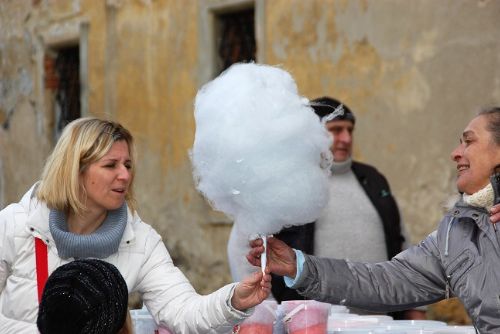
{"x":99,"y":244}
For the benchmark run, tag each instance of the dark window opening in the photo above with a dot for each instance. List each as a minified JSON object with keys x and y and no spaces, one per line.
{"x":62,"y":75}
{"x":236,"y":38}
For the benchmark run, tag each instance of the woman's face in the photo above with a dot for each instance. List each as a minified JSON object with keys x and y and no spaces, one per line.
{"x":476,"y":156}
{"x":107,"y":180}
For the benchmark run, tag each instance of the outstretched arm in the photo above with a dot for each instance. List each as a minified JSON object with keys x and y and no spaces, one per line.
{"x":414,"y":277}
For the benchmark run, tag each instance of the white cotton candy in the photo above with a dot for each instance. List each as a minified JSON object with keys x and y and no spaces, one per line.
{"x":259,"y":150}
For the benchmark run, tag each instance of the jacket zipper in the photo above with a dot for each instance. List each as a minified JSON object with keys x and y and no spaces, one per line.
{"x":457,"y":267}
{"x":448,"y":287}
{"x":450,"y":224}
{"x":447,"y":290}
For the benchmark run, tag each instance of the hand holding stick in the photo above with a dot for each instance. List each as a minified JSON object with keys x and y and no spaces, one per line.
{"x":280,"y":259}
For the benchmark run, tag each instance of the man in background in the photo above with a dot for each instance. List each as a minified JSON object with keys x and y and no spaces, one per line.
{"x":361,"y":221}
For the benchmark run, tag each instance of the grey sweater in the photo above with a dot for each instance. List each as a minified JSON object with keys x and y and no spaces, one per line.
{"x":350,"y":227}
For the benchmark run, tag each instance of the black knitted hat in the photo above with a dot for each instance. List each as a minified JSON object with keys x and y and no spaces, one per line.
{"x":84,"y":296}
{"x":325,"y":105}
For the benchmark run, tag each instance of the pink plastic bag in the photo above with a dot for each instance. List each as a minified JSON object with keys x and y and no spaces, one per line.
{"x":306,"y":316}
{"x":262,"y":320}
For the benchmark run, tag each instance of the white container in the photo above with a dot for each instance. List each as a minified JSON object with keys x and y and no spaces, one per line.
{"x":423,"y":324}
{"x":353,"y":322}
{"x":338,"y":309}
{"x":456,"y":330}
{"x":414,"y":326}
{"x":144,"y":323}
{"x":381,"y":318}
{"x":366,"y":331}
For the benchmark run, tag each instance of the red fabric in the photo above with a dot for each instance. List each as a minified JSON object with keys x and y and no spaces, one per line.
{"x":42,"y":266}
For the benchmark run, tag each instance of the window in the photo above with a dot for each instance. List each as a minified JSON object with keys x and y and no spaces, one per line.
{"x":235,"y":38}
{"x":62,"y":77}
{"x":230,"y":31}
{"x":62,"y":74}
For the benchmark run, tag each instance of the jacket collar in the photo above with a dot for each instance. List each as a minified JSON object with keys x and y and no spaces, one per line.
{"x":478,"y":214}
{"x":38,"y":219}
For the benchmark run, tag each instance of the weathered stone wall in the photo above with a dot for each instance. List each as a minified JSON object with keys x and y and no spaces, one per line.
{"x":413,"y":72}
{"x":142,"y":71}
{"x":24,"y":140}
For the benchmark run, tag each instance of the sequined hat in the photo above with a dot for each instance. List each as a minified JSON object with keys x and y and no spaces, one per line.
{"x":84,"y":296}
{"x":325,"y":106}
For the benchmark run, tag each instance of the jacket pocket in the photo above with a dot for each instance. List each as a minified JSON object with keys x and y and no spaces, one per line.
{"x":456,"y":270}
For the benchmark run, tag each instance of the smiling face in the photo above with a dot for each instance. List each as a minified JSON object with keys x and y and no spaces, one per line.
{"x":476,"y":156}
{"x":107,"y":180}
{"x":341,"y":131}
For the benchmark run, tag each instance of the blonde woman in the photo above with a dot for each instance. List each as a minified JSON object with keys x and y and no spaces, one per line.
{"x":83,"y":207}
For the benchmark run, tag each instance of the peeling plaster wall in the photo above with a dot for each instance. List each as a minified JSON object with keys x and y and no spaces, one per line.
{"x":155,"y":81}
{"x":413,"y":72}
{"x":2,"y":185}
{"x":23,"y":143}
{"x":142,"y":71}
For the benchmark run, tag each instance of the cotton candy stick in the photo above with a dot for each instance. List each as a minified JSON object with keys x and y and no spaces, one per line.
{"x":263,"y":256}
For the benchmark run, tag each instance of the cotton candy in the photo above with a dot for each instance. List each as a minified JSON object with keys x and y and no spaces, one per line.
{"x":260,"y":154}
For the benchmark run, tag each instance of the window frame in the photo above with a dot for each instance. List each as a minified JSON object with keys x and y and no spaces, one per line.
{"x":51,"y":39}
{"x":208,"y":53}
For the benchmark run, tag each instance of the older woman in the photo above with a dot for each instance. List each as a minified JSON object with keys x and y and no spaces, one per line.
{"x":461,"y":258}
{"x":83,"y":207}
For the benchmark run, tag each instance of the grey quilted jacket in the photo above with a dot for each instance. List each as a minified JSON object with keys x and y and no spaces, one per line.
{"x":461,"y":258}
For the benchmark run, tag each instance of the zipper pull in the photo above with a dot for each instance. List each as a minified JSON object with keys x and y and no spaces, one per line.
{"x":448,"y":287}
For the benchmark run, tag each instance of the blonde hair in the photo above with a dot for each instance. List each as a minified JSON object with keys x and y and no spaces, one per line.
{"x":83,"y":142}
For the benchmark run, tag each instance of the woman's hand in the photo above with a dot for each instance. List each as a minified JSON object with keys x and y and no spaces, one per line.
{"x":251,"y":291}
{"x":281,"y":258}
{"x":495,"y":214}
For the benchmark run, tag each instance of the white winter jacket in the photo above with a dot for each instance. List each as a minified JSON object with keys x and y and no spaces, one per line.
{"x":142,"y":259}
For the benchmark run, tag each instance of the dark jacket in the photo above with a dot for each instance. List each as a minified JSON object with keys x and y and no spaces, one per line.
{"x":378,"y":191}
